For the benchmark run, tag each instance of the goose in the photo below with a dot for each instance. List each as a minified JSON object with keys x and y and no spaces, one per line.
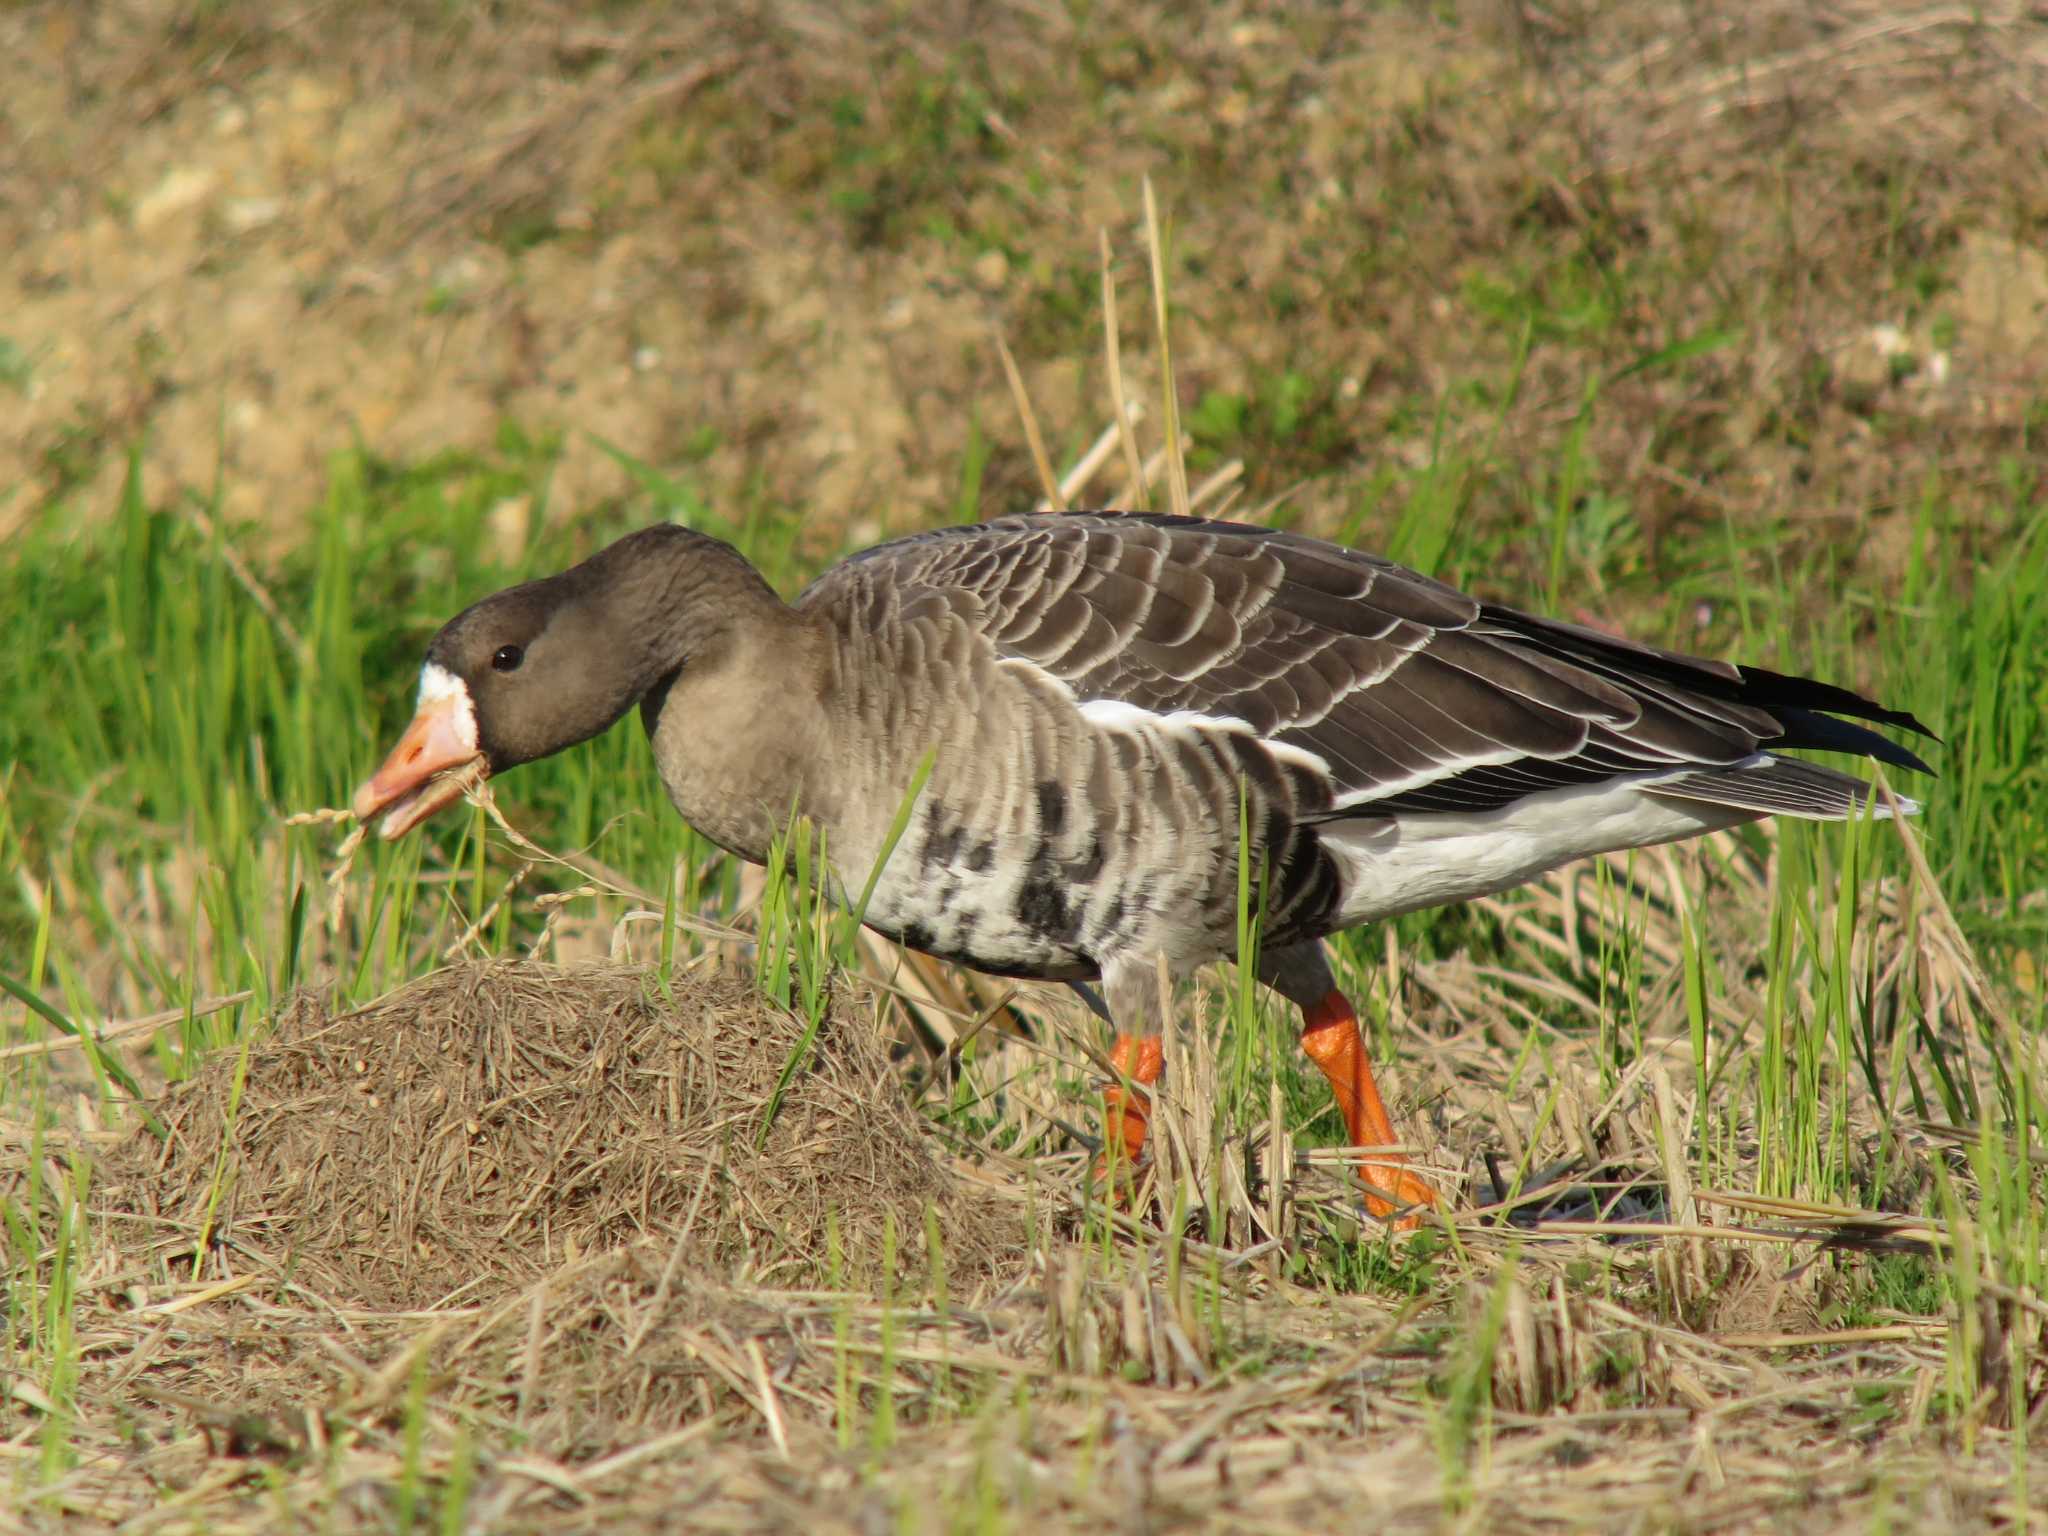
{"x":1101,"y":697}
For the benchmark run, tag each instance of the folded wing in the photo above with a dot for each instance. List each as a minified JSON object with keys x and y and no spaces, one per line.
{"x":1414,"y":697}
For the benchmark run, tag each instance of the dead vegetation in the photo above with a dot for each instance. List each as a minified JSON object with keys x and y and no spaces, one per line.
{"x":575,"y":1198}
{"x":474,"y":1130}
{"x":510,"y":1234}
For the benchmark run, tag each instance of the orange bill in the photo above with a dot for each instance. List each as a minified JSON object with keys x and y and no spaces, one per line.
{"x":430,"y":766}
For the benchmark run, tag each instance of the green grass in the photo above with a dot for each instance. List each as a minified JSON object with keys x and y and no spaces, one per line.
{"x":171,"y":722}
{"x":168,"y":722}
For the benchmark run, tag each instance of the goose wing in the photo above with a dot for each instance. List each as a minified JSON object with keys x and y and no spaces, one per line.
{"x":1412,"y":695}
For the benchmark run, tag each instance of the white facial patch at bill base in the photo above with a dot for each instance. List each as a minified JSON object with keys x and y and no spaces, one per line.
{"x":419,"y":776}
{"x":437,"y":683}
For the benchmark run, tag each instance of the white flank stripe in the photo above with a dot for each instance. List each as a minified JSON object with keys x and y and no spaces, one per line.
{"x":1298,"y":757}
{"x":1134,"y":720}
{"x":1116,"y":715}
{"x":1195,"y":722}
{"x":1130,"y":720}
{"x":1362,"y":799}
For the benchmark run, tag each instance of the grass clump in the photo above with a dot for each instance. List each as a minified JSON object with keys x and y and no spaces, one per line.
{"x":471,"y":1131}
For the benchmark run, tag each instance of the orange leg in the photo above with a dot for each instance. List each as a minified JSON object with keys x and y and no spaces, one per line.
{"x":1330,"y":1036}
{"x":1126,"y":1115}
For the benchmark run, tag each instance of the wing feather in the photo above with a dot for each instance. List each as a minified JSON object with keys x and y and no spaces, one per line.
{"x":1415,"y":696}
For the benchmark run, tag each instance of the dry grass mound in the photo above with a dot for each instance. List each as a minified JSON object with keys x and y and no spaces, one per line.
{"x":453,"y":1141}
{"x":547,"y":1191}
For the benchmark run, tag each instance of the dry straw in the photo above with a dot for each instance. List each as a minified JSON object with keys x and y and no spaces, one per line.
{"x":476,"y":1129}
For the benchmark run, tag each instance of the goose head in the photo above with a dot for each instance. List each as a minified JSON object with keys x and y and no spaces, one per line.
{"x":537,"y":668}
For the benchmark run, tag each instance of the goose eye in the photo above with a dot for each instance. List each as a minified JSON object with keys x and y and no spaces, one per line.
{"x":508,"y":658}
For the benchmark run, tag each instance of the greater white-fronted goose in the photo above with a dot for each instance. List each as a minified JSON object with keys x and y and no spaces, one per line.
{"x":1093,"y":689}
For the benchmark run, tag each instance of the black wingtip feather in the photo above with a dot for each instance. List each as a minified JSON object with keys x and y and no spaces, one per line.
{"x":1777,"y":690}
{"x":1809,"y":729}
{"x":1758,"y":686}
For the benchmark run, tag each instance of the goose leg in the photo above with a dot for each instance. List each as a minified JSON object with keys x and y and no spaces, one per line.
{"x":1331,"y":1039}
{"x":1127,"y":1113}
{"x":1138,"y":1059}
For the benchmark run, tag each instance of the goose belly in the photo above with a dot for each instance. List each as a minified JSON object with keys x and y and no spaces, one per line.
{"x":1114,"y":837}
{"x":1050,"y":891}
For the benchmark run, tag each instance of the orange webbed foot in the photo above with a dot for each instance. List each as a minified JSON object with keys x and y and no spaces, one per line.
{"x":1332,"y":1040}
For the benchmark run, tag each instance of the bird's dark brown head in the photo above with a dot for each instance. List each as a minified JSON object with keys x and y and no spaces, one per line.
{"x":539,"y":667}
